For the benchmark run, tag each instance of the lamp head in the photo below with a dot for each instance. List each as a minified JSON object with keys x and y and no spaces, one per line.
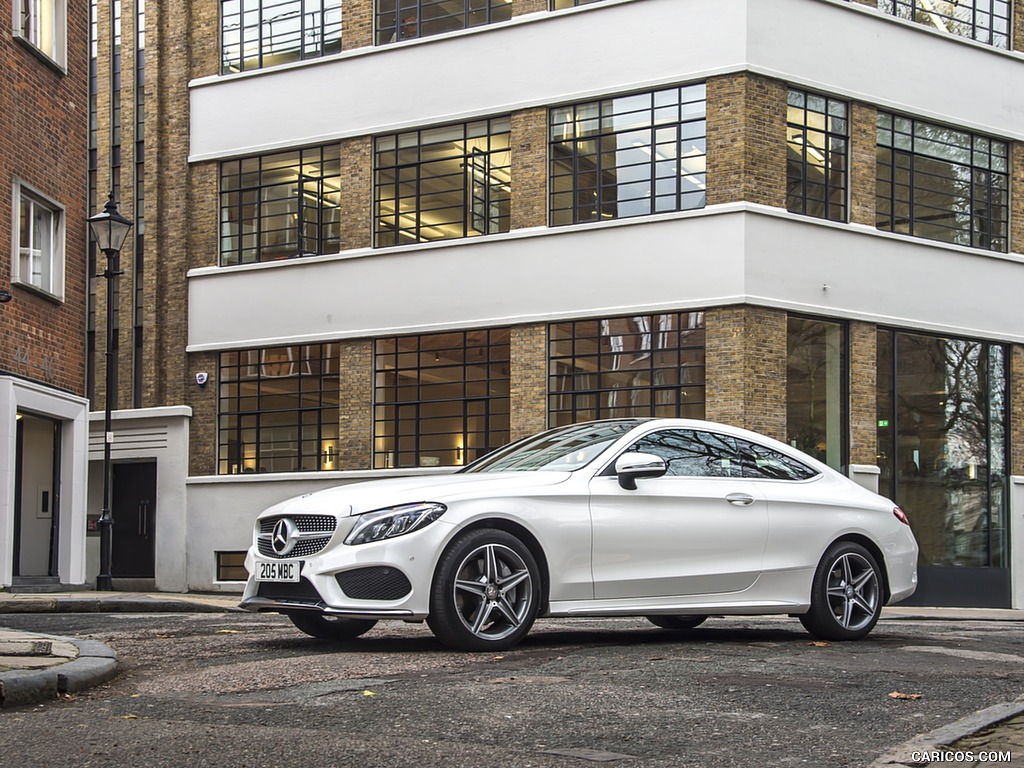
{"x":109,"y":228}
{"x":5,"y":296}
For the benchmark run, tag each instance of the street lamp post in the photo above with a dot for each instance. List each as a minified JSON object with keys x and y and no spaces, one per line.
{"x":109,"y":229}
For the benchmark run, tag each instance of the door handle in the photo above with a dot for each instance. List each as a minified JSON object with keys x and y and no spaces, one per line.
{"x":740,"y":499}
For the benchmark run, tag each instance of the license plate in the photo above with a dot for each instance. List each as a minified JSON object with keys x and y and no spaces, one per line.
{"x":272,"y":570}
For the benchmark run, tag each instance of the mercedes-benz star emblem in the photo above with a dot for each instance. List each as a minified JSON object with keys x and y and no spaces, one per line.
{"x":284,"y":536}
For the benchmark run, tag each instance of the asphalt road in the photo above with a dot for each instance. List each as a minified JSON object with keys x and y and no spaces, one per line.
{"x":249,"y":690}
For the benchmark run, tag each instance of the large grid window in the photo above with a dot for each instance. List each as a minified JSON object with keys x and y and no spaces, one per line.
{"x":629,"y":156}
{"x":942,"y":184}
{"x":263,"y":33}
{"x":818,"y":138}
{"x":646,"y":365}
{"x":278,"y":409}
{"x":280,"y":206}
{"x":442,"y":183}
{"x":39,"y":253}
{"x":987,"y":21}
{"x":441,"y":399}
{"x":816,"y":389}
{"x":408,"y":19}
{"x":942,"y":444}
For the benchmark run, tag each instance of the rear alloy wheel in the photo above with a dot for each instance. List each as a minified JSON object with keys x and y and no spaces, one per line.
{"x":676,"y":622}
{"x":486,"y":592}
{"x":846,"y":594}
{"x":330,"y":627}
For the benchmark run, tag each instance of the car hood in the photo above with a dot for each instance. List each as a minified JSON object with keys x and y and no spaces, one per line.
{"x":366,"y":496}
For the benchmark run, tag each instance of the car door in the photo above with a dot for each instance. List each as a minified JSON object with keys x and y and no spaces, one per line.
{"x":699,"y":529}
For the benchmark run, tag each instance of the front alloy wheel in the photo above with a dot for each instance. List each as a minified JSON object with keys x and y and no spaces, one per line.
{"x":846,"y":594}
{"x":486,"y":592}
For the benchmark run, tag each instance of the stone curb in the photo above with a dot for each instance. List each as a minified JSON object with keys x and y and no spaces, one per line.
{"x":111,"y":605}
{"x":96,"y":664}
{"x":948,"y":735}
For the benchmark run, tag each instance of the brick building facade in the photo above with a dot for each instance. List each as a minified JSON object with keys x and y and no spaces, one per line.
{"x":43,"y":287}
{"x":795,"y":307}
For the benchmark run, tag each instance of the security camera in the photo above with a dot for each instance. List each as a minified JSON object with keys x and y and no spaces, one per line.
{"x":5,"y":296}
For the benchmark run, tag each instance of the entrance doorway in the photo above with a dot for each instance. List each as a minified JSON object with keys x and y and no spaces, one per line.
{"x":36,"y":498}
{"x":133,"y":507}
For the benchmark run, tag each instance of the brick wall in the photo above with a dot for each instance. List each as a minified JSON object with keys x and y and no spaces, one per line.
{"x":520,"y":7}
{"x":43,"y":140}
{"x":1017,"y":197}
{"x":529,"y":143}
{"x":355,"y":411}
{"x":529,"y":385}
{"x":746,"y":368}
{"x":202,"y":432}
{"x":863,"y":162}
{"x":746,"y":140}
{"x":356,"y":24}
{"x":1017,"y":26}
{"x":356,"y":193}
{"x":863,"y":393}
{"x":205,"y":48}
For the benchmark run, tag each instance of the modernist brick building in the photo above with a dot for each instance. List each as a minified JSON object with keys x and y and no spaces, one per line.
{"x":43,"y":287}
{"x":395,"y":234}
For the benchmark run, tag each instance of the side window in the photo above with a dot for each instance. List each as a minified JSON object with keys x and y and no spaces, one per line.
{"x":689,"y":453}
{"x":38,"y":259}
{"x":760,"y":463}
{"x":42,"y":23}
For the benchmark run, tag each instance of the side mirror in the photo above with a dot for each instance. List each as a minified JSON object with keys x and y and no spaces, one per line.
{"x":631,"y":467}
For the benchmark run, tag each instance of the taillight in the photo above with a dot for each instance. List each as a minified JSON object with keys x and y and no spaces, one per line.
{"x":900,"y":515}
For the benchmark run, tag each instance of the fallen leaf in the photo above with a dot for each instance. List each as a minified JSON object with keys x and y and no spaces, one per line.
{"x":905,"y":696}
{"x":229,"y":631}
{"x":128,"y":717}
{"x":369,"y":693}
{"x":819,"y":644}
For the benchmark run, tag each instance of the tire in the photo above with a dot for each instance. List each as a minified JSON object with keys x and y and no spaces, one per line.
{"x":327,"y":627}
{"x":846,"y":594}
{"x":676,"y":622}
{"x":486,"y":592}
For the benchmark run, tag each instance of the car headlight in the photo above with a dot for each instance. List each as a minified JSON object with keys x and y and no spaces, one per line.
{"x":394,"y":521}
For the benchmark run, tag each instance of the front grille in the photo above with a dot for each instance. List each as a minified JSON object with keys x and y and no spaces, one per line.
{"x":305,"y":524}
{"x":377,"y":583}
{"x":298,"y":592}
{"x":304,"y":548}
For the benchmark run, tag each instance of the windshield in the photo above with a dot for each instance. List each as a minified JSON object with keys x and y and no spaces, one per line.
{"x":559,"y":450}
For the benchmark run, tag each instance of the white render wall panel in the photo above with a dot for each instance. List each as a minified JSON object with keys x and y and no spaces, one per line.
{"x":547,"y":58}
{"x":469,"y":283}
{"x":538,"y":59}
{"x":721,"y":256}
{"x":882,"y":278}
{"x":859,"y":53}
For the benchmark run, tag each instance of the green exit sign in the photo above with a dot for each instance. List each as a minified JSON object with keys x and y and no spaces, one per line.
{"x":883,"y":422}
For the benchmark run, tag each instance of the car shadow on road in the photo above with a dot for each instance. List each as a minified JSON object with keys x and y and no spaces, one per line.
{"x":396,"y":638}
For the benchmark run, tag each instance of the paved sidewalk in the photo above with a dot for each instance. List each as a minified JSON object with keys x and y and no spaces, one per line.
{"x":36,"y":667}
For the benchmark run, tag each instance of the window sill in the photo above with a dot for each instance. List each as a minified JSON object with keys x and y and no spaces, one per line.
{"x":41,"y":292}
{"x":58,"y":67}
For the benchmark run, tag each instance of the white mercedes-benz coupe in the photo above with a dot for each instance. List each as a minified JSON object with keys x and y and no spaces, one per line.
{"x":670,"y":519}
